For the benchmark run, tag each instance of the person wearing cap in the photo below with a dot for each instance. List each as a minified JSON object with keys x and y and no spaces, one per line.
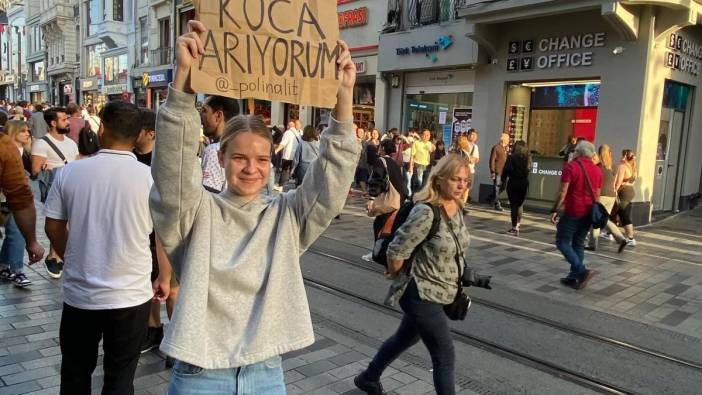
{"x":581,"y":182}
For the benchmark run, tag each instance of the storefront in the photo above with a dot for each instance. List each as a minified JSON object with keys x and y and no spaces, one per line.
{"x":577,"y":75}
{"x":38,"y":92}
{"x":156,"y":85}
{"x":431,"y":76}
{"x":115,"y":92}
{"x":90,"y":90}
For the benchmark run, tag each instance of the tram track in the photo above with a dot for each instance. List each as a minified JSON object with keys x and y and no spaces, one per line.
{"x":543,"y":321}
{"x":550,"y":368}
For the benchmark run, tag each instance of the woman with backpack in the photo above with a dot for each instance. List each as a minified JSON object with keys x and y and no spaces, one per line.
{"x":383,"y":170}
{"x":429,"y":281}
{"x":515,"y":178}
{"x":242,"y":300}
{"x":307,"y":152}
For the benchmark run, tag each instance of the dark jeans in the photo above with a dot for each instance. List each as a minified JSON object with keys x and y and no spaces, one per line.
{"x":285,"y":169}
{"x":428,"y":322}
{"x":570,"y":240}
{"x":495,"y":197}
{"x":122,"y":332}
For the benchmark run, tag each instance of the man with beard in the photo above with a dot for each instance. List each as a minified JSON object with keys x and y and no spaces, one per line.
{"x":49,"y":154}
{"x":215,"y":114}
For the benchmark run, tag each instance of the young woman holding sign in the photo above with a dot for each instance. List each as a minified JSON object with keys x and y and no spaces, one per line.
{"x":242,"y":299}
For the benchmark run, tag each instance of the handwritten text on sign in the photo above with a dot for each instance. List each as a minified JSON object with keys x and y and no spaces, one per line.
{"x":284,"y":50}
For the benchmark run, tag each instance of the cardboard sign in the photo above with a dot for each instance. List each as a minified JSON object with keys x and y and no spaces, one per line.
{"x":281,"y":50}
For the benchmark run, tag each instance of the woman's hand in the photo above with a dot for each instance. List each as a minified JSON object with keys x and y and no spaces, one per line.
{"x":188,"y":48}
{"x":347,"y":75}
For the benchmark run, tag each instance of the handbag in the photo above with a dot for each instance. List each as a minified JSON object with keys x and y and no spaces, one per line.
{"x":599,"y":214}
{"x":387,"y":201}
{"x":458,"y":309}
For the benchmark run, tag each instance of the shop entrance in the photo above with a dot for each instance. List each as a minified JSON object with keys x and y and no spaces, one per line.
{"x":669,"y":154}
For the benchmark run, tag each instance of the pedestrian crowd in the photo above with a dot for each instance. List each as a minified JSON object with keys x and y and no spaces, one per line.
{"x":193,"y":207}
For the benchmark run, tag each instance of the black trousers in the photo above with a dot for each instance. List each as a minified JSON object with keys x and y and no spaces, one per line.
{"x":122,"y":332}
{"x":285,"y":172}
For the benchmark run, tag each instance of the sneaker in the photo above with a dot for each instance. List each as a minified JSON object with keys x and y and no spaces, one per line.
{"x":631,"y":242}
{"x":278,"y":188}
{"x":6,"y":274}
{"x":569,"y":282}
{"x":367,"y":386}
{"x":622,"y":245}
{"x":153,"y":339}
{"x":513,"y":231}
{"x":499,"y":208}
{"x":20,"y":280}
{"x":368,"y":257}
{"x":607,"y":236}
{"x":582,"y":282}
{"x":590,"y":248}
{"x":53,"y":267}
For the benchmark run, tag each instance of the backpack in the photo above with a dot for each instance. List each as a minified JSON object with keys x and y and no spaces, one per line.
{"x":88,"y":142}
{"x":393,"y":223}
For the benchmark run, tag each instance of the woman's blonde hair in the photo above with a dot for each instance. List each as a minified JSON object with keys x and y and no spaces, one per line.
{"x":605,"y":153}
{"x":14,"y":127}
{"x":446,"y":168}
{"x":244,"y":123}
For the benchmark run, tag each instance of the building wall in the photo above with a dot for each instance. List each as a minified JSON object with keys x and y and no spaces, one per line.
{"x":631,"y":94}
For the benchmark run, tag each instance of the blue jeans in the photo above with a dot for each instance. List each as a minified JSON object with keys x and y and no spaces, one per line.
{"x":428,"y":322}
{"x":263,"y":378}
{"x":570,"y":240}
{"x":420,"y":176}
{"x":12,"y":252}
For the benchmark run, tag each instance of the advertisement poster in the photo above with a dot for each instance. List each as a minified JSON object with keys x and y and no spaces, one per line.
{"x":462,"y":121}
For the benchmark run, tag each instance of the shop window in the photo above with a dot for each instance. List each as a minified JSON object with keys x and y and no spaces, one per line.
{"x":116,"y":71}
{"x":547,"y":114}
{"x":38,"y":71}
{"x":434,"y":111}
{"x":93,"y":53}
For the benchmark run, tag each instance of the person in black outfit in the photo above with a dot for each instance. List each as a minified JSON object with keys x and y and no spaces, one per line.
{"x":377,"y":179}
{"x":515,"y":176}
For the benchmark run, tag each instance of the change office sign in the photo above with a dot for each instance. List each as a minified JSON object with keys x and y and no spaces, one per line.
{"x":557,"y":52}
{"x":683,"y":55}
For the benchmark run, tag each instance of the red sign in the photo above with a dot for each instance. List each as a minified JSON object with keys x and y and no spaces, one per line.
{"x":352,"y":18}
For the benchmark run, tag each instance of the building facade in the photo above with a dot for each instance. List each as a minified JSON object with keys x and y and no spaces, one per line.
{"x":14,"y":51}
{"x":621,"y":73}
{"x":152,"y":43}
{"x":37,"y":84}
{"x":59,"y":24}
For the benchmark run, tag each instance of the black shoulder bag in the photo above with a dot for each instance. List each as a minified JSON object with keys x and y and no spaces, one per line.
{"x":46,"y":177}
{"x":458,"y":309}
{"x":599,"y":215}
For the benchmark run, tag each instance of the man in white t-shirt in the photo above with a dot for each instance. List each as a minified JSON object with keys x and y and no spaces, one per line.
{"x":288,"y":145}
{"x":98,"y":218}
{"x":215,"y":114}
{"x":49,"y":154}
{"x":473,"y":158}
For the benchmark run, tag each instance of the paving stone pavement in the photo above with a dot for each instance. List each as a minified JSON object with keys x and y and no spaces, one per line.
{"x":658,"y":282}
{"x":30,"y":357}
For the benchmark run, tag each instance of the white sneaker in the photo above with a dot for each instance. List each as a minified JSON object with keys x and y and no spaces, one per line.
{"x":368,"y":257}
{"x":278,"y":188}
{"x":631,"y":242}
{"x":607,"y":236}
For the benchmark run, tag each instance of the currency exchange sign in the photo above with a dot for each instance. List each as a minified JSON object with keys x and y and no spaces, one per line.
{"x":282,"y":50}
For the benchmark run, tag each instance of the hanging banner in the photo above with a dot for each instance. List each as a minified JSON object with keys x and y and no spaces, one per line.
{"x":282,"y":50}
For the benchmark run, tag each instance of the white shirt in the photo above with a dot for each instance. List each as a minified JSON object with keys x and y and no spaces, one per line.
{"x":212,"y":173}
{"x":289,"y":143}
{"x":473,"y":152}
{"x":105,"y":199}
{"x":68,"y":148}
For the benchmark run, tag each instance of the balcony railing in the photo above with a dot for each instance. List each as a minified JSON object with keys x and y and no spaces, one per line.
{"x":403,"y":14}
{"x":161,"y":56}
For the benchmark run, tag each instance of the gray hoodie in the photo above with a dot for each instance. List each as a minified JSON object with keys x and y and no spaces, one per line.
{"x":242,"y":299}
